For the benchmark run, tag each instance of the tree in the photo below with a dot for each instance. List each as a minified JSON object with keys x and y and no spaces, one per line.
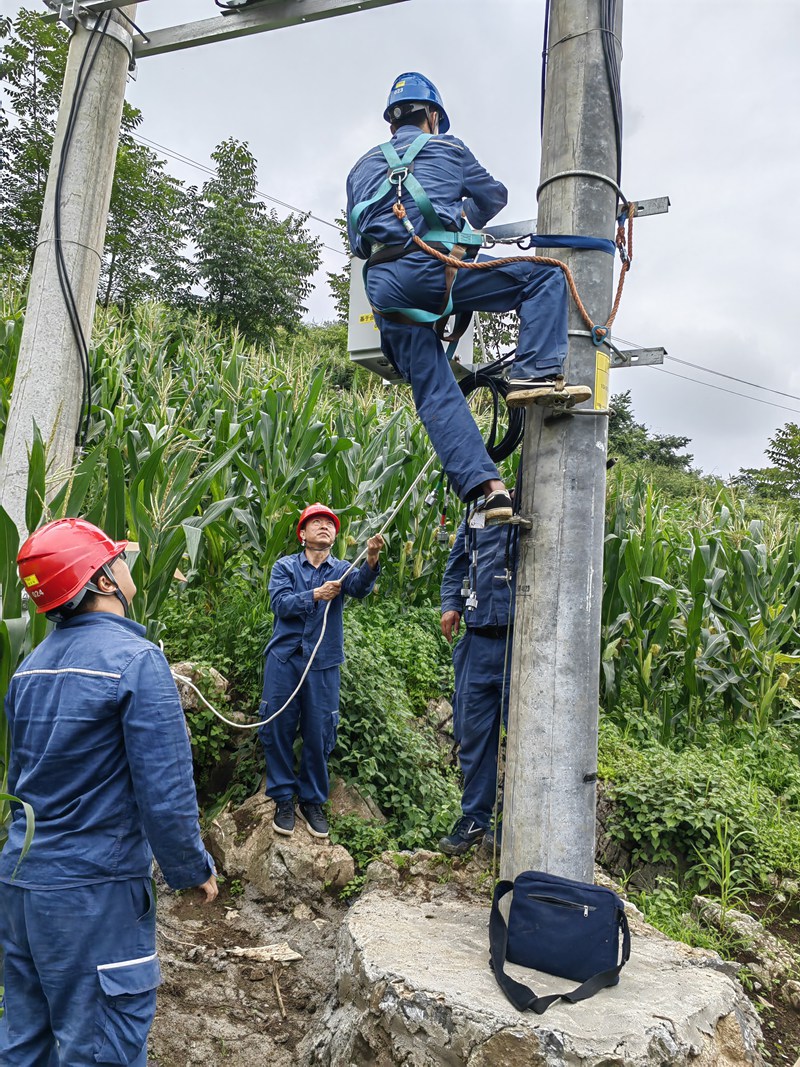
{"x":150,"y":226}
{"x":32,"y":63}
{"x":339,"y":281}
{"x":781,"y":481}
{"x":631,"y":440}
{"x":256,"y":268}
{"x":151,"y":213}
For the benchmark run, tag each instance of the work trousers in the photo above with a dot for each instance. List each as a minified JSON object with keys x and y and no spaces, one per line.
{"x":538,"y":293}
{"x":481,"y":697}
{"x":315,"y":710}
{"x":80,"y":974}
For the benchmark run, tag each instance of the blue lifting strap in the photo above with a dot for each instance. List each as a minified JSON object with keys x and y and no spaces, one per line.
{"x":552,"y":240}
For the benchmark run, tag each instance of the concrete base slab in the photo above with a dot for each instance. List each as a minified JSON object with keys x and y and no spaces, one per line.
{"x":414,"y":988}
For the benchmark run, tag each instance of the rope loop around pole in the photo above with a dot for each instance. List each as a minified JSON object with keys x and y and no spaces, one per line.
{"x":624,"y":245}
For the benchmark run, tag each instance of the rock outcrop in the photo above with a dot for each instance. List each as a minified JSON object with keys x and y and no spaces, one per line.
{"x":299,"y":867}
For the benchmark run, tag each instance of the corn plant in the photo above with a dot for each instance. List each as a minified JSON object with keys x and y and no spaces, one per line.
{"x":700,"y":615}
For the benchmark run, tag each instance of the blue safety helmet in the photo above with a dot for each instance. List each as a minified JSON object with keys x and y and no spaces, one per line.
{"x":413,"y":87}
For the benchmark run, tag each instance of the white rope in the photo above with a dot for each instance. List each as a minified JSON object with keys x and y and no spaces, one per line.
{"x":263,"y":722}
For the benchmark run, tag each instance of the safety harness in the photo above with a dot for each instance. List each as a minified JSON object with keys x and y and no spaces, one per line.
{"x":459,"y":244}
{"x":453,"y":248}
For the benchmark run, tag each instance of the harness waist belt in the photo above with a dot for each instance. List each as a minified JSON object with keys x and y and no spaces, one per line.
{"x":488,"y":631}
{"x":389,"y":253}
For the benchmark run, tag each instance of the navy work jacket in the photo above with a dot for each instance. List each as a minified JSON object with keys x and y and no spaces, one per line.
{"x":298,"y":617}
{"x":99,"y":749}
{"x":453,"y":180}
{"x":496,"y":545}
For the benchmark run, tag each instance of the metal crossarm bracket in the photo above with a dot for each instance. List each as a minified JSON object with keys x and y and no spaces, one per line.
{"x":514,"y":231}
{"x":511,"y":231}
{"x":636,"y":357}
{"x":243,"y":21}
{"x":658,"y":206}
{"x":256,"y":16}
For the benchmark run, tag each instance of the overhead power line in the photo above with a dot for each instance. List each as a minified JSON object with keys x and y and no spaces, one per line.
{"x":181,"y":158}
{"x":722,"y":389}
{"x":719,"y":374}
{"x":732,"y":378}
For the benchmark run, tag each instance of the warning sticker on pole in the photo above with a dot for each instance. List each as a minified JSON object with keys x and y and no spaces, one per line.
{"x":602,"y":364}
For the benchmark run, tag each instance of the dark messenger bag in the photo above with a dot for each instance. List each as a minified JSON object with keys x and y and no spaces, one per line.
{"x":565,"y":928}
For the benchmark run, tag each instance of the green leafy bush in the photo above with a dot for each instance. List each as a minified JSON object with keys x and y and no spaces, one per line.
{"x":384,"y":748}
{"x":669,"y":807}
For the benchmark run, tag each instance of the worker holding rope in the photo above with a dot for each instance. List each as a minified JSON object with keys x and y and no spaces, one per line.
{"x":101,"y":754}
{"x":306,"y":593}
{"x":427,"y":186}
{"x":478,"y":588}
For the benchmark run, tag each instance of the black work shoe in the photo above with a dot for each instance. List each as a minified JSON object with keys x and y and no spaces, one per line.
{"x":283,"y":819}
{"x":497,"y":508}
{"x":466,"y":833}
{"x":315,"y":820}
{"x":488,"y":846}
{"x":550,"y":389}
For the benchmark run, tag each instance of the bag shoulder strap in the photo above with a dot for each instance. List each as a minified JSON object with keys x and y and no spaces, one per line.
{"x":523,"y":997}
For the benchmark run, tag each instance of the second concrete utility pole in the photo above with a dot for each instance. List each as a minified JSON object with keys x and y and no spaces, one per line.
{"x":49,"y":381}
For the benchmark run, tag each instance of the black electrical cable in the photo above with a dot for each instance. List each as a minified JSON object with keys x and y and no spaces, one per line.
{"x":544,"y":63}
{"x":489,"y":377}
{"x":61,"y":263}
{"x":608,"y":15}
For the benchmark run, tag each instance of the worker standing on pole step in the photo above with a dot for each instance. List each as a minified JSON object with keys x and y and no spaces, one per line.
{"x":100,"y":750}
{"x":300,"y":588}
{"x":478,"y":587}
{"x":445,"y":192}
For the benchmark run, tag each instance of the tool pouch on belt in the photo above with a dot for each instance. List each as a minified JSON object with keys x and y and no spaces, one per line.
{"x":565,"y":928}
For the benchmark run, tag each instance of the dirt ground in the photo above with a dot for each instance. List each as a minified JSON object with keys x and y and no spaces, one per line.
{"x":780,"y":1023}
{"x":218,"y":1008}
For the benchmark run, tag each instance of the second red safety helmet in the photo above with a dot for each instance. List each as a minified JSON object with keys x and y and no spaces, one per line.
{"x":311,"y":511}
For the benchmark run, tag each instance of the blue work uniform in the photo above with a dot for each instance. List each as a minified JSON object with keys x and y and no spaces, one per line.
{"x":479,"y":657}
{"x":100,"y":750}
{"x":455,"y":183}
{"x":315,"y":709}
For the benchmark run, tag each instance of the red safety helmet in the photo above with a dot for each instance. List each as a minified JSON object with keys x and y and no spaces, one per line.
{"x":58,"y":560}
{"x":311,"y":511}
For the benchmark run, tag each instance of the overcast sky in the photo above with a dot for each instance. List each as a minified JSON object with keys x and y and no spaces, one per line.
{"x":710,"y":92}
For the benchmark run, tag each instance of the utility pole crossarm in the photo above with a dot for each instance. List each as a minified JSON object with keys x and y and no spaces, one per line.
{"x":254,"y":19}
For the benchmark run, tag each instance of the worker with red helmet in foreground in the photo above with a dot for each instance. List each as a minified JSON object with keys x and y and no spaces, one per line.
{"x":100,"y":751}
{"x":300,"y":587}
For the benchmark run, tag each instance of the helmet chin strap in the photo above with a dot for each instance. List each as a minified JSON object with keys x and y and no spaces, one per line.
{"x":116,"y":591}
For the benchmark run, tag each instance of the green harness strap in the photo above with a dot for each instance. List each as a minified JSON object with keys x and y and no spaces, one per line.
{"x":400,"y":174}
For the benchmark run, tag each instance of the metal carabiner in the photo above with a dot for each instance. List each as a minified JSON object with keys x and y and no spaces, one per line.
{"x":397,"y":177}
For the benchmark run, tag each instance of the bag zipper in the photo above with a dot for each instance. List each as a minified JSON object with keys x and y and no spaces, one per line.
{"x":585,"y":908}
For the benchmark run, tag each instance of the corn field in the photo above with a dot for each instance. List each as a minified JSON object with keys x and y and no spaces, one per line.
{"x":700,"y":615}
{"x":203,"y":450}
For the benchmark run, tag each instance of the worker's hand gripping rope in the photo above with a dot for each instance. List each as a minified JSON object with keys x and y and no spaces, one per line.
{"x":263,"y":722}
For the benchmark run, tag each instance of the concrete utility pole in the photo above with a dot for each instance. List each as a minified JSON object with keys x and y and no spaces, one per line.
{"x":48,"y":385}
{"x":549,"y":806}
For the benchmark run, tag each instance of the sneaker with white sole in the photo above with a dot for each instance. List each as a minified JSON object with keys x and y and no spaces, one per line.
{"x":497,"y":508}
{"x":283,"y":819}
{"x":550,"y":389}
{"x":314,"y":818}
